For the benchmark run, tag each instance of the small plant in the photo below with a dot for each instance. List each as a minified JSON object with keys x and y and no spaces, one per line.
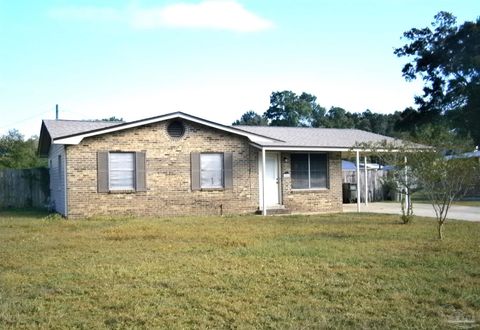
{"x":53,"y":217}
{"x":407,"y":212}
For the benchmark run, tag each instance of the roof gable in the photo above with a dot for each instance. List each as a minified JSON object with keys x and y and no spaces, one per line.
{"x":61,"y":127}
{"x":52,"y":129}
{"x":73,"y":132}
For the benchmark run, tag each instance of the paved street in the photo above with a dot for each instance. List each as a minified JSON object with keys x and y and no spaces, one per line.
{"x":468,"y":213}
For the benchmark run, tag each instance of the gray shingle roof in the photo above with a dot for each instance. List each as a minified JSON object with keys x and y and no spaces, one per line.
{"x":58,"y":128}
{"x":316,"y":137}
{"x":287,"y":137}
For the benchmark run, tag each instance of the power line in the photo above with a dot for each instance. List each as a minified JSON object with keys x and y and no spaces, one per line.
{"x":23,"y":120}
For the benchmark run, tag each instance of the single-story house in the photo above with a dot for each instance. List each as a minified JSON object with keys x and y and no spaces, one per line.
{"x":179,"y":164}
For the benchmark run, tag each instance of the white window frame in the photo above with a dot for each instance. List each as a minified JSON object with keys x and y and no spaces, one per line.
{"x":222,"y":171}
{"x":130,"y":188}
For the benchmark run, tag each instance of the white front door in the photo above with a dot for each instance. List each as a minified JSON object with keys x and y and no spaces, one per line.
{"x":272,"y":180}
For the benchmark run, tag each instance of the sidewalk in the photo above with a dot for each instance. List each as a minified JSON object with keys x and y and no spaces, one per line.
{"x":468,"y":213}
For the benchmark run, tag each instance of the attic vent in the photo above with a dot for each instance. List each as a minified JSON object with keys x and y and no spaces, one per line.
{"x":176,"y":129}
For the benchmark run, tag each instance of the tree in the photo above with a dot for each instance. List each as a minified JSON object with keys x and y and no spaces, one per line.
{"x":442,"y":171}
{"x":289,"y":109}
{"x":338,"y":117}
{"x":113,"y":118}
{"x":251,"y":118}
{"x":444,"y":179}
{"x":446,"y":59}
{"x":15,"y":152}
{"x":437,"y":167}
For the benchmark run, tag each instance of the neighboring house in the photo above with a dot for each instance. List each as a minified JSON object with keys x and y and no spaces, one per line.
{"x":178,"y":164}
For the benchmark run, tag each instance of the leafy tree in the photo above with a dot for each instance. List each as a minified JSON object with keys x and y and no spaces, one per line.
{"x":438,"y":168}
{"x":447,"y":59}
{"x":251,"y":118}
{"x":289,"y":109}
{"x":442,"y":171}
{"x":338,"y":117}
{"x":113,"y":118}
{"x":317,"y":118}
{"x":16,"y":152}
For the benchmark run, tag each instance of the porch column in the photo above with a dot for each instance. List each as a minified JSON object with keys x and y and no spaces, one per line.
{"x":264,"y":169}
{"x":407,"y":201}
{"x":366,"y":181}
{"x":358,"y":181}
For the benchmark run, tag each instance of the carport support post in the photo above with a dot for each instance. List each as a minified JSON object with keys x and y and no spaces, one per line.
{"x":358,"y":181}
{"x":366,"y":181}
{"x":407,"y":200}
{"x":264,"y":169}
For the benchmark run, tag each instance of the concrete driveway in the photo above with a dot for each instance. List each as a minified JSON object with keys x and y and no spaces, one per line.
{"x":468,"y":213}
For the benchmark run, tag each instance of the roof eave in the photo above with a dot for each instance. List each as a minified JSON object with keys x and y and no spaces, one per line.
{"x":318,"y":148}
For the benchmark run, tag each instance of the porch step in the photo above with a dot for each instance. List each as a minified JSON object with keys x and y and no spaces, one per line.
{"x":275,"y":211}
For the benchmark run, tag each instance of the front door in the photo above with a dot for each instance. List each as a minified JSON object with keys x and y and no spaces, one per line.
{"x":272,"y":181}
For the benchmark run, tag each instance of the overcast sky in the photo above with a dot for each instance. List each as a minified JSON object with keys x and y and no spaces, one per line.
{"x":213,"y":58}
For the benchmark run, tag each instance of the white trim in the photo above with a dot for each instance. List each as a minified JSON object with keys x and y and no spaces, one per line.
{"x":264,"y":167}
{"x":358,"y":180}
{"x":324,"y":149}
{"x":78,"y":138}
{"x":366,"y":181}
{"x":65,"y":180}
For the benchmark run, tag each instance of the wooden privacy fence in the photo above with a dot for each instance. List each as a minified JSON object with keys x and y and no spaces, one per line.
{"x":377,"y":190}
{"x":24,"y":188}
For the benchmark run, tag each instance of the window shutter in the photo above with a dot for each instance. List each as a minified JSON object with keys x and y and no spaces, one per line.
{"x":102,"y":171}
{"x":140,"y":172}
{"x":195,"y":170}
{"x":227,"y":167}
{"x":328,"y":170}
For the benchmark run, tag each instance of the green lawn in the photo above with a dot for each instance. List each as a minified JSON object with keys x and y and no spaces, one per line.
{"x":330,"y":271}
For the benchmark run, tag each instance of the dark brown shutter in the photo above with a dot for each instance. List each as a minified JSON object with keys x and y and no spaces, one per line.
{"x":227,"y":168}
{"x":102,"y":171}
{"x":140,"y":172}
{"x":195,"y":170}
{"x":327,"y":160}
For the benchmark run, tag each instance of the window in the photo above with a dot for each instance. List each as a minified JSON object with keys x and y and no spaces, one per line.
{"x":121,"y":170}
{"x":211,"y":170}
{"x":309,"y":171}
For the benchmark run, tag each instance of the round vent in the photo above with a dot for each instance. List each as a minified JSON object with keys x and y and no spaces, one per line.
{"x":176,"y":129}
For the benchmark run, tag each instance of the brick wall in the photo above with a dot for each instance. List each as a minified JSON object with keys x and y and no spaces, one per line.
{"x":318,"y":200}
{"x":168,"y":174}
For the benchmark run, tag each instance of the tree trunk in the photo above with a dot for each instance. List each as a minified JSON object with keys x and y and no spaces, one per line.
{"x":440,"y":230}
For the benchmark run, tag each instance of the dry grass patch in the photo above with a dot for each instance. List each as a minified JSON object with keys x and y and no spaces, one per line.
{"x":332,"y":271}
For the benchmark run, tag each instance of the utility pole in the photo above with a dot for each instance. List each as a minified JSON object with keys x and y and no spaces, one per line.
{"x":56,"y":111}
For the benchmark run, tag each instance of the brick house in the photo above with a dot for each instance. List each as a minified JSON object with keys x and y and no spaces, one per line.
{"x":178,"y":164}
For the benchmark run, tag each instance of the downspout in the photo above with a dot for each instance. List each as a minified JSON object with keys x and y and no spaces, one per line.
{"x":264,"y":167}
{"x":358,"y":181}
